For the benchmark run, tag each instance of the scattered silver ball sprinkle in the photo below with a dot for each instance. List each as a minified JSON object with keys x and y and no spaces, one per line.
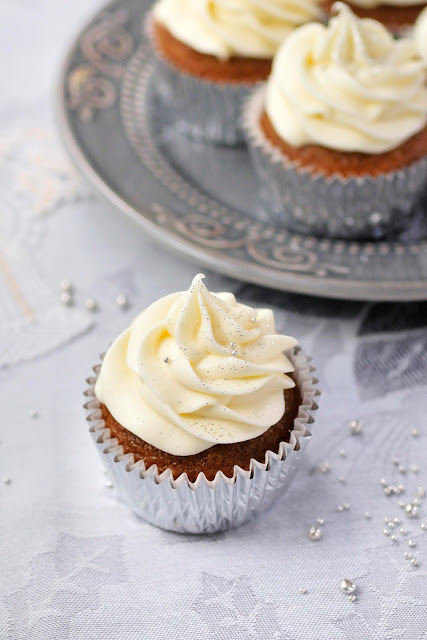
{"x":411,"y":543}
{"x":302,"y":590}
{"x":386,"y":532}
{"x":341,"y":479}
{"x":324,"y":467}
{"x":340,"y":508}
{"x":390,"y":524}
{"x":6,"y":480}
{"x":109,"y":484}
{"x":233,"y":344}
{"x":122,"y":301}
{"x":234,"y":353}
{"x":355,"y":427}
{"x":401,"y":504}
{"x":421,"y":492}
{"x":403,"y":531}
{"x":253,"y":319}
{"x":367,"y":515}
{"x":346,"y":506}
{"x":347,"y":586}
{"x":415,"y":433}
{"x":314,"y":533}
{"x":166,"y":360}
{"x":91,"y":304}
{"x":386,"y":519}
{"x":343,"y":453}
{"x":388,"y":491}
{"x":383,"y":482}
{"x":414,"y":562}
{"x":397,"y":520}
{"x":416,"y":501}
{"x":401,"y":468}
{"x":395,"y":461}
{"x":33,"y":413}
{"x":411,"y":510}
{"x":320,"y":521}
{"x":414,"y":468}
{"x":393,"y":538}
{"x":408,"y":555}
{"x":352,"y":598}
{"x":66,"y":298}
{"x":424,"y":526}
{"x":66,"y":285}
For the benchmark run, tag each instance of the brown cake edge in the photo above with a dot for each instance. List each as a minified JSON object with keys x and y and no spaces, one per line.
{"x":220,"y":457}
{"x":236,"y":70}
{"x":394,"y":18}
{"x":329,"y":162}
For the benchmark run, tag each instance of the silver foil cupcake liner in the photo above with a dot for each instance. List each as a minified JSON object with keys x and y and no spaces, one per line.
{"x":335,"y":207}
{"x":205,"y":506}
{"x":205,"y":111}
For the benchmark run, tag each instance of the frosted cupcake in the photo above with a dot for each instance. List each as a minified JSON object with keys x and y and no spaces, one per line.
{"x":397,"y":15}
{"x":338,"y":136}
{"x":210,"y":53}
{"x":199,"y":414}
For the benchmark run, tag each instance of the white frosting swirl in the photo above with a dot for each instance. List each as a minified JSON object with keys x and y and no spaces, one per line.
{"x":348,"y":86}
{"x":226,"y":28}
{"x":420,"y":35}
{"x":172,"y":378}
{"x":371,"y":4}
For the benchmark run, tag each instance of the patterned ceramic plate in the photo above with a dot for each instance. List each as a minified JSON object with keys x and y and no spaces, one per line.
{"x":198,"y":199}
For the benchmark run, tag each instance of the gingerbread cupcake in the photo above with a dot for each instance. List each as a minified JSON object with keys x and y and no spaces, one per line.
{"x":209,"y":54}
{"x":338,"y":136}
{"x":397,"y":15}
{"x":198,"y":413}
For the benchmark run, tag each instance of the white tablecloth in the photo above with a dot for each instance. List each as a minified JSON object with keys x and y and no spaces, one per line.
{"x":73,"y":562}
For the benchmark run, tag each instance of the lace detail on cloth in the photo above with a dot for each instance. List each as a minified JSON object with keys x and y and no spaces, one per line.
{"x":36,"y":180}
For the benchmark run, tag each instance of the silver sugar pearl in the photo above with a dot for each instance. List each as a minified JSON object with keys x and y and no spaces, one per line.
{"x":324,"y":467}
{"x":352,"y":598}
{"x":386,"y":519}
{"x":33,"y":413}
{"x":320,"y":521}
{"x":302,"y":590}
{"x":414,"y":468}
{"x":411,"y":543}
{"x":403,"y":531}
{"x":397,"y":520}
{"x":234,"y":352}
{"x":343,"y":453}
{"x":415,"y":433}
{"x":233,"y":344}
{"x":90,"y":304}
{"x":408,"y":555}
{"x":386,"y":532}
{"x":166,"y":360}
{"x":6,"y":480}
{"x":122,"y":301}
{"x":393,"y":538}
{"x":314,"y":533}
{"x":340,"y":508}
{"x":416,"y":501}
{"x":414,"y":562}
{"x":411,"y":510}
{"x":401,"y":468}
{"x":388,"y":491}
{"x":347,"y":586}
{"x":66,"y":298}
{"x":395,"y":461}
{"x":424,"y":526}
{"x":421,"y":492}
{"x":253,"y":319}
{"x":109,"y":484}
{"x":401,"y":504}
{"x":341,"y":479}
{"x":355,"y":427}
{"x":66,"y":285}
{"x":383,"y":482}
{"x":367,"y":515}
{"x":346,"y":506}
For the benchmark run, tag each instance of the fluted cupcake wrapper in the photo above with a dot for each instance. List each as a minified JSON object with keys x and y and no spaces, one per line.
{"x":205,"y":506}
{"x":206,"y":111}
{"x":307,"y":202}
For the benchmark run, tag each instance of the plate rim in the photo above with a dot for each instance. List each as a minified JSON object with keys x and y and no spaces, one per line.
{"x":330,"y":287}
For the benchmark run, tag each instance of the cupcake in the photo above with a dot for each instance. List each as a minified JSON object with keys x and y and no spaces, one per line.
{"x":338,"y":136}
{"x":397,"y":15}
{"x":198,"y":413}
{"x":208,"y":55}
